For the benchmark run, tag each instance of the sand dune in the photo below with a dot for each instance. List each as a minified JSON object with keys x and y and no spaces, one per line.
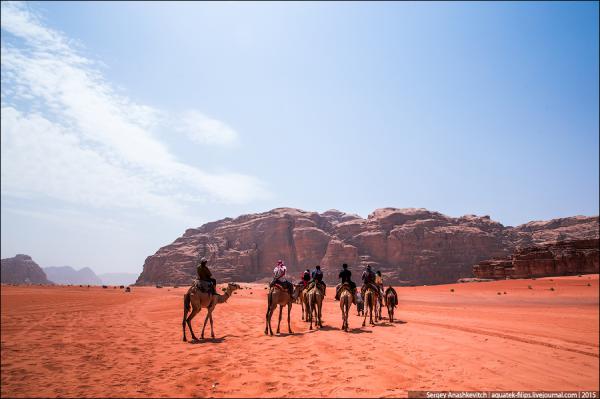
{"x":72,"y":341}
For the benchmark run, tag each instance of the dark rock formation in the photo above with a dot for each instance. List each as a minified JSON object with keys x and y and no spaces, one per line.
{"x":22,"y":270}
{"x":552,"y":259}
{"x":410,"y":246}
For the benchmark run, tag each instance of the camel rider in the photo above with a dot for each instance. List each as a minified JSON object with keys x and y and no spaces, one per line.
{"x":379,"y":284}
{"x":205,"y":275}
{"x":279,"y":277}
{"x":306,"y":277}
{"x":346,"y":277}
{"x":317,"y":277}
{"x":368,"y":278}
{"x":379,"y":281}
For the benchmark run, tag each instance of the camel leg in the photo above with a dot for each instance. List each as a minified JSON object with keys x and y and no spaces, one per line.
{"x":212,"y":333}
{"x":310,"y":309}
{"x":189,"y":322}
{"x":279,"y":323}
{"x":204,"y":326}
{"x":289,"y":322}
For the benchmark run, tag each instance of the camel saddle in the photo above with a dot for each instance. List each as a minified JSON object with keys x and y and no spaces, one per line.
{"x":280,"y":286}
{"x":312,"y":284}
{"x":348,"y":287}
{"x":204,"y":286}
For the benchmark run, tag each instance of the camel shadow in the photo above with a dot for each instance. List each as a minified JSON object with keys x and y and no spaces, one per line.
{"x":210,"y":340}
{"x":286,"y":334}
{"x":359,"y":331}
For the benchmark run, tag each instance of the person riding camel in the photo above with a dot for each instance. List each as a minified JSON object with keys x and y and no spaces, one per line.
{"x":368,"y":278}
{"x":306,"y":278}
{"x":204,"y":274}
{"x":317,"y":278}
{"x":279,"y":277}
{"x":346,"y":277}
{"x":379,"y":284}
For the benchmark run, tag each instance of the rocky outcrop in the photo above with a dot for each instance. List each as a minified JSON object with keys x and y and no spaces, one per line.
{"x":552,"y":259}
{"x":410,"y":246}
{"x":22,"y":270}
{"x":68,"y":275}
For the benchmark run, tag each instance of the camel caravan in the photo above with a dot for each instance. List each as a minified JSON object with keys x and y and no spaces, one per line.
{"x":309,"y":293}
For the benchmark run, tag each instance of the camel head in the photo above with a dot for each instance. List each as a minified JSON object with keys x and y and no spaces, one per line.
{"x":233,"y":286}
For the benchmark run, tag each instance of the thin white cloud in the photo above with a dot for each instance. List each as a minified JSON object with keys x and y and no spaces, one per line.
{"x":77,"y":140}
{"x":205,"y":130}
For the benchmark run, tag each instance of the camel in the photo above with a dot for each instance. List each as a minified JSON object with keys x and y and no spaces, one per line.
{"x":391,"y":301}
{"x":315,"y":304}
{"x":277,"y":296}
{"x":198,"y":300}
{"x":303,"y":299}
{"x":370,"y":303}
{"x":346,"y":300}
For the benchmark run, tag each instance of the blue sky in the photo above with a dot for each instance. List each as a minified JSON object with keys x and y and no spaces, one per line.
{"x":123,"y":124}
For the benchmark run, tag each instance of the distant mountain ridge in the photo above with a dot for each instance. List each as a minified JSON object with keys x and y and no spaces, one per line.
{"x":69,"y":275}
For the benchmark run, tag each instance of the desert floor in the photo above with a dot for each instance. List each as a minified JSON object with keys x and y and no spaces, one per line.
{"x":72,"y":341}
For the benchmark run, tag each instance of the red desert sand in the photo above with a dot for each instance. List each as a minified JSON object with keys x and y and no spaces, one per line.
{"x":94,"y":342}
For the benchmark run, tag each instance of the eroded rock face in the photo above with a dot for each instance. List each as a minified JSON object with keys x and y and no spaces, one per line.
{"x":21,"y":269}
{"x":552,"y":259}
{"x":410,"y":246}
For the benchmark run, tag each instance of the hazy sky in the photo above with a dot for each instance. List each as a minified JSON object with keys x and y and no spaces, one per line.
{"x":123,"y":124}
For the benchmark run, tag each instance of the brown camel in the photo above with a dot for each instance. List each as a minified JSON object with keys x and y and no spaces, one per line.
{"x":370,"y":303}
{"x":346,"y":300}
{"x":315,"y":304}
{"x":199,"y":300}
{"x":391,"y":300}
{"x":277,"y":296}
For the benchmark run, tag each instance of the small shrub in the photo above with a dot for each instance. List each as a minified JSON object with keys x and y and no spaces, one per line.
{"x":504,"y":292}
{"x":589,"y":285}
{"x":499,"y":293}
{"x":551,"y":288}
{"x":451,"y":289}
{"x":530,"y":287}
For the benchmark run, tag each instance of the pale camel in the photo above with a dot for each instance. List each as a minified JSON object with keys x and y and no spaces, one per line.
{"x":315,"y":304}
{"x":346,"y":300}
{"x":199,"y":300}
{"x":391,"y":300}
{"x":371,"y":301}
{"x":303,"y":299}
{"x":277,"y":296}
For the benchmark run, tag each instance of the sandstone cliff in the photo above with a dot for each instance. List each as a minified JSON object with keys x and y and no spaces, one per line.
{"x":410,"y":246}
{"x":22,"y":270}
{"x":551,"y":259}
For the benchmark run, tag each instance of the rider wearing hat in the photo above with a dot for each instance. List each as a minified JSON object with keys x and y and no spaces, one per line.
{"x":204,"y":274}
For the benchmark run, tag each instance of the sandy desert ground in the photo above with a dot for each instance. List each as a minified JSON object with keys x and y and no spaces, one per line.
{"x":94,"y":342}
